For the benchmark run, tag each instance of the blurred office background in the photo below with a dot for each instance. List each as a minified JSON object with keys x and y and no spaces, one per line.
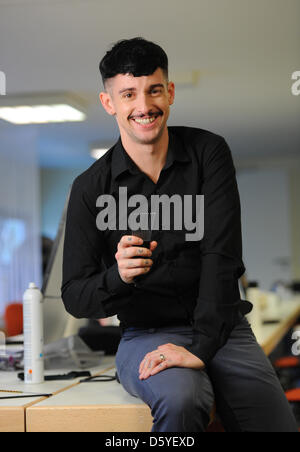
{"x":232,"y":62}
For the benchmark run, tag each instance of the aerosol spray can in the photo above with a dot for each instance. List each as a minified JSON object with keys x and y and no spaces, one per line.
{"x":33,"y":335}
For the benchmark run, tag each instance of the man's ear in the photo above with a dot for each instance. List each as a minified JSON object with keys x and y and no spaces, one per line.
{"x":171,"y":92}
{"x":106,"y":102}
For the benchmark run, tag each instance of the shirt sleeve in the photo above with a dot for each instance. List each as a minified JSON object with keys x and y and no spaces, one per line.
{"x":218,"y":302}
{"x":89,"y":290}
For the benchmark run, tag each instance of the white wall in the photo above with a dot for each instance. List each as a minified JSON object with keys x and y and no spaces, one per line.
{"x":266,"y":224}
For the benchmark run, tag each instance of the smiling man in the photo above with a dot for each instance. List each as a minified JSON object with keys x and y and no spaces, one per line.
{"x":123,"y":99}
{"x":185,"y":340}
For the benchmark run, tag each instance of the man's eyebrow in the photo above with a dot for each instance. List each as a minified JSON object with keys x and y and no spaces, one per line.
{"x":155,"y":85}
{"x":126,"y":89}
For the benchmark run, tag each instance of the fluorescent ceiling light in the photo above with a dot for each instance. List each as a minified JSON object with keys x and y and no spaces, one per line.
{"x":41,"y":109}
{"x":41,"y":114}
{"x":97,"y":153}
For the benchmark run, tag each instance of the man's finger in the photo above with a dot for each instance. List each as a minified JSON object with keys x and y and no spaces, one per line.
{"x":130,"y":240}
{"x":161,"y":366}
{"x":143,"y":365}
{"x":144,"y":362}
{"x":158,"y":367}
{"x":136,"y":263}
{"x":153,"y":245}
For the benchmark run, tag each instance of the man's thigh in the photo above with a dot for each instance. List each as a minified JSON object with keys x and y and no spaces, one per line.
{"x":180,"y":399}
{"x":248,"y":394}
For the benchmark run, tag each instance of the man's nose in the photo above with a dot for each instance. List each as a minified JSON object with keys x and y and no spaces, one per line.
{"x":143,"y":104}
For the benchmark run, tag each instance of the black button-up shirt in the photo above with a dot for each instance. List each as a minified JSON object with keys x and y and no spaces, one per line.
{"x":190,"y":282}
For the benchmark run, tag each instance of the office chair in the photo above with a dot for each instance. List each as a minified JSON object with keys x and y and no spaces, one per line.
{"x":288,"y":371}
{"x":293,"y":396}
{"x":13,"y":319}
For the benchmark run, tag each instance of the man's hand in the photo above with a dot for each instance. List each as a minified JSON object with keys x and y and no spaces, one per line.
{"x":175,"y":356}
{"x":128,"y":251}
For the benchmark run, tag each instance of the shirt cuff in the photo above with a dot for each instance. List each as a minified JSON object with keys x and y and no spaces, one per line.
{"x":114,"y":284}
{"x":204,"y":347}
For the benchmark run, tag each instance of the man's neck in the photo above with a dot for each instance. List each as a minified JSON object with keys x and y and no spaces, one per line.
{"x":149,"y":158}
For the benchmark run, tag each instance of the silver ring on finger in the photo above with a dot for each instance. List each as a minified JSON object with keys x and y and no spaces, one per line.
{"x":162,"y":357}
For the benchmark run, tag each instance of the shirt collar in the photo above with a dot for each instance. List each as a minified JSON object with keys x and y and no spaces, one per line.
{"x":121,"y":161}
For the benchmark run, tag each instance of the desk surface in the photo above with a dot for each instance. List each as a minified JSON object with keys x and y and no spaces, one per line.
{"x":9,"y":381}
{"x":12,"y":411}
{"x":90,"y":407}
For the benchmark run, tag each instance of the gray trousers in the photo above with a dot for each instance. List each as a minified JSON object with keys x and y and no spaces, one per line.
{"x":240,"y":379}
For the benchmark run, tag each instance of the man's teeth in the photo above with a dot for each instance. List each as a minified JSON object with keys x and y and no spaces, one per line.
{"x":145,"y":120}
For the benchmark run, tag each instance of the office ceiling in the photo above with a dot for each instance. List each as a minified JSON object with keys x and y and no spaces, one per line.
{"x":245,"y":52}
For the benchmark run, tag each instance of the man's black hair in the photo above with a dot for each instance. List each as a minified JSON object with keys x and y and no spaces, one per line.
{"x":135,"y":56}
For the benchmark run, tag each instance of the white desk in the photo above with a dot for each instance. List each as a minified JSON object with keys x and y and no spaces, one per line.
{"x":12,"y":411}
{"x":90,"y":407}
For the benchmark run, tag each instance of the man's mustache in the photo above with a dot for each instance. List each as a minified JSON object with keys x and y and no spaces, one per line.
{"x":149,"y":114}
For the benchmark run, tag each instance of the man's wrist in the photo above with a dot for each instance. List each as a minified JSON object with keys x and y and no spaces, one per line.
{"x":115,"y":283}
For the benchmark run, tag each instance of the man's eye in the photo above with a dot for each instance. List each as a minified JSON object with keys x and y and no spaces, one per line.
{"x":127,"y":95}
{"x":156,"y":91}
